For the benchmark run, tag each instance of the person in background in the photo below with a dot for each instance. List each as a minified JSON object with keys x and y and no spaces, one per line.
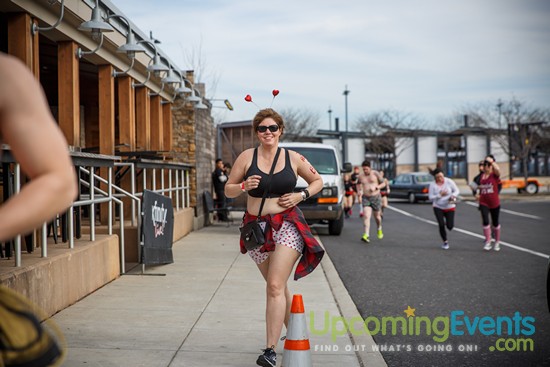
{"x":370,"y":183}
{"x":349,"y":193}
{"x":287,"y":234}
{"x":489,"y":202}
{"x":443,"y":193}
{"x":219,"y":178}
{"x":227,"y":168}
{"x":492,"y":159}
{"x":355,"y":182}
{"x":475,"y":182}
{"x":384,"y":192}
{"x":37,"y":143}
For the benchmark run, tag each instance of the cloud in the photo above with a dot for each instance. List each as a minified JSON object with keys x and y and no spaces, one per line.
{"x":425,"y":57}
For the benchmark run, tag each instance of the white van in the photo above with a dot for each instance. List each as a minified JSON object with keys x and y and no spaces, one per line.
{"x":326,"y":207}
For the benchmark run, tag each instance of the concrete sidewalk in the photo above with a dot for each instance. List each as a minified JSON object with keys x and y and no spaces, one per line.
{"x":208,"y":310}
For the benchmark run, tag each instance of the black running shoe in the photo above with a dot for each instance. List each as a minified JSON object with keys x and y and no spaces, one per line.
{"x":268,"y":359}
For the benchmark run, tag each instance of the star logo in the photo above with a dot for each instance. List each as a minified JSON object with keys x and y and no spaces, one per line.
{"x":410,"y":311}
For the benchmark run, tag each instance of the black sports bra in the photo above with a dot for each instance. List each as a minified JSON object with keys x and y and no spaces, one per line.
{"x":282,"y":182}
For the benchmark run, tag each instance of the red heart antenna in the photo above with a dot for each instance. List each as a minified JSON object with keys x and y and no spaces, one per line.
{"x":275,"y":92}
{"x":248,"y":97}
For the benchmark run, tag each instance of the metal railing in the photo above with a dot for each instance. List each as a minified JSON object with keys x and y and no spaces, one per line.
{"x":178,"y":185}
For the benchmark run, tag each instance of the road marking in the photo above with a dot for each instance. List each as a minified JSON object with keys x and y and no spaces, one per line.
{"x":510,"y":212}
{"x":515,"y":247}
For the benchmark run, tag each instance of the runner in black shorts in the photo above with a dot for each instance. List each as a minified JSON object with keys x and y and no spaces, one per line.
{"x":348,"y":195}
{"x":355,"y":182}
{"x":384,"y":191}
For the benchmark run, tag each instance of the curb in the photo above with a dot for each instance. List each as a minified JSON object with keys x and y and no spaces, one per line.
{"x":365,"y":344}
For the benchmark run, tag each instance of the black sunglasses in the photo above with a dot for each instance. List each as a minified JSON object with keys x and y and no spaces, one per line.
{"x":263,"y":129}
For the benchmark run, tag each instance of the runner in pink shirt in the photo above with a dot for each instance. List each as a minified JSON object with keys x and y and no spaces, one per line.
{"x":489,"y":202}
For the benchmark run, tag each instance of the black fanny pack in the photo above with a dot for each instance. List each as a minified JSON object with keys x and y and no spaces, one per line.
{"x":252,"y":234}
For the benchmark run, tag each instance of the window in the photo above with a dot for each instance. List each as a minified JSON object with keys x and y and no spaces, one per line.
{"x":323,"y":160}
{"x":424,"y":178}
{"x":403,"y":179}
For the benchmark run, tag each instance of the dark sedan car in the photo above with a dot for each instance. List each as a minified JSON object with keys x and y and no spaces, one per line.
{"x":412,"y":186}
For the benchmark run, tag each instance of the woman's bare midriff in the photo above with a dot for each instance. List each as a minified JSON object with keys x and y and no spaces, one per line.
{"x":271,"y":206}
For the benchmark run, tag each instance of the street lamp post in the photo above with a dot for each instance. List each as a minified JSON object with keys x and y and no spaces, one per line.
{"x":346,"y":92}
{"x":345,"y":135}
{"x":499,"y":106}
{"x":329,"y":118}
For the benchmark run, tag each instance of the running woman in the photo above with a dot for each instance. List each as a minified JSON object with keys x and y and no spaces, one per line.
{"x":384,"y":192}
{"x":489,"y":202}
{"x":355,"y":182}
{"x":443,"y":193}
{"x":348,"y":196}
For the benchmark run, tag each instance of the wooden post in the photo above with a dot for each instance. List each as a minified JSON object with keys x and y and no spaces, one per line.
{"x":126,"y":128}
{"x":156,"y":123}
{"x":106,"y":125}
{"x":106,"y":110}
{"x":20,"y":39}
{"x":143,"y":122}
{"x":126,"y":114}
{"x":35,"y":54}
{"x":167,"y":126}
{"x":68,"y":92}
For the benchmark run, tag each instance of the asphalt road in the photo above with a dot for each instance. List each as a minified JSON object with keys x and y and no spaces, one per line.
{"x":497,"y":300}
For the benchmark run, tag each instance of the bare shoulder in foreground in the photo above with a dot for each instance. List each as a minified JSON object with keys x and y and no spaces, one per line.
{"x":38,"y":145}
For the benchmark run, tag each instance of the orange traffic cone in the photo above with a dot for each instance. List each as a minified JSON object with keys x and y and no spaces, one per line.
{"x":297,"y":352}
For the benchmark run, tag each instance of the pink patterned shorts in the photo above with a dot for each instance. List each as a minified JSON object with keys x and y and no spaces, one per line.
{"x":287,"y":235}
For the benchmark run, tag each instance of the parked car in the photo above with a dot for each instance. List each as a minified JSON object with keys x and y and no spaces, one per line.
{"x":412,"y":186}
{"x":326,"y":207}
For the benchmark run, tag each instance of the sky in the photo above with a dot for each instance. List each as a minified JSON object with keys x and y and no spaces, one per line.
{"x":429,"y":58}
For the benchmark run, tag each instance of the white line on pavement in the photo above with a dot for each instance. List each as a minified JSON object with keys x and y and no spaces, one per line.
{"x":510,"y":212}
{"x":515,"y":247}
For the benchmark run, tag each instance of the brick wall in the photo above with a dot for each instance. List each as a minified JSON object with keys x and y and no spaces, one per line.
{"x":194,"y":137}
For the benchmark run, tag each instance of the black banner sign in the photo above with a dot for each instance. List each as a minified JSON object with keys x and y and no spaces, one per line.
{"x":157,"y":229}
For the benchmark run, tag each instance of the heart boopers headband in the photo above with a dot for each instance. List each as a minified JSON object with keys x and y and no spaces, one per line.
{"x":248,"y":98}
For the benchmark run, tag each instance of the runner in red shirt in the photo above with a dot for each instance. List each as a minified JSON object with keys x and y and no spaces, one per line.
{"x":489,"y":202}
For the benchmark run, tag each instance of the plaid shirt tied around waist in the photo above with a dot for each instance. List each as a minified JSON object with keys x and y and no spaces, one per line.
{"x":313,"y":252}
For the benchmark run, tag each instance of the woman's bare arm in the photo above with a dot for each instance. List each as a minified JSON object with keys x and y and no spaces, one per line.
{"x":38,"y":145}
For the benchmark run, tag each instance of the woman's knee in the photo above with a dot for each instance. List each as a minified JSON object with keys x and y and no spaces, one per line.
{"x":275,"y":288}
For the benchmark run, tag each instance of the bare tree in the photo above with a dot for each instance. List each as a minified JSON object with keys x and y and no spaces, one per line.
{"x":383,"y":129}
{"x":300,"y":124}
{"x":526,"y":127}
{"x":379,"y":122}
{"x":195,"y":60}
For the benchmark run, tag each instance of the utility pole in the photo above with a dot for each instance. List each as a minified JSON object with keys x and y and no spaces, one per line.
{"x":345,"y":136}
{"x":346,"y":92}
{"x":499,"y":106}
